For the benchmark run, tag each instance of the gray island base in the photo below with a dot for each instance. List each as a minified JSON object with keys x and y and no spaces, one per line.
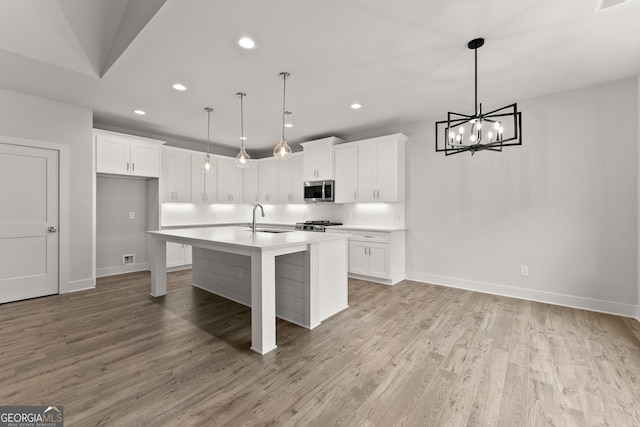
{"x":298,"y":276}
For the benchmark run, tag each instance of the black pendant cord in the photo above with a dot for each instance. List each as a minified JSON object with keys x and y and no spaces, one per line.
{"x":209,"y":110}
{"x":284,"y":97}
{"x":476,"y":80}
{"x":241,"y":95}
{"x":475,"y":44}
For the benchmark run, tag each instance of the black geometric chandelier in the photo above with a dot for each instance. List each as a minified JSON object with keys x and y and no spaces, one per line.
{"x":480,"y":131}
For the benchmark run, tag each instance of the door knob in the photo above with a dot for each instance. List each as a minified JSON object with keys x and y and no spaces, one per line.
{"x":52,"y":229}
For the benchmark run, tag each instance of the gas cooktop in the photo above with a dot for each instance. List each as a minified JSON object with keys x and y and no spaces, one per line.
{"x":315,"y":225}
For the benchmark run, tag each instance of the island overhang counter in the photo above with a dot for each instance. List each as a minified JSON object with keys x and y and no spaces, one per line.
{"x":303,"y":273}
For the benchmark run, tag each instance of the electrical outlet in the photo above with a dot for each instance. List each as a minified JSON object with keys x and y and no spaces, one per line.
{"x":524,"y":270}
{"x":239,"y":273}
{"x":132,"y":215}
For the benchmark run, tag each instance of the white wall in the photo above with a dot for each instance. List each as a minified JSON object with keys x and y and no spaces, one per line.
{"x":116,"y":233}
{"x":565,"y":204}
{"x":29,"y":117}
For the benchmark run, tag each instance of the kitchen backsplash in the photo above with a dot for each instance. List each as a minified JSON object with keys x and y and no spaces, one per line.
{"x":379,"y":214}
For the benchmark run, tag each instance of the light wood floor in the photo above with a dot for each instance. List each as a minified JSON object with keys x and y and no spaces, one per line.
{"x":412,"y":354}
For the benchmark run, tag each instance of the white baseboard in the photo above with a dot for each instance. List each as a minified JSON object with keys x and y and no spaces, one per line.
{"x":120,"y":269}
{"x":80,"y":285}
{"x":610,"y":307}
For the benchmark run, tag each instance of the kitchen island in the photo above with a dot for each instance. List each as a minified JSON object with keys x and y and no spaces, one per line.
{"x":298,"y":276}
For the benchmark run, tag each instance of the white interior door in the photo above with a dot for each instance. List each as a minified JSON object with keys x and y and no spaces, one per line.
{"x":28,"y":222}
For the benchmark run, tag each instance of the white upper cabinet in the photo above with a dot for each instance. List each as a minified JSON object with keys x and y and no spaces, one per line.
{"x":122,"y":154}
{"x":290,"y":182}
{"x":318,"y":158}
{"x":175,"y":183}
{"x":250,"y":184}
{"x":229,"y":181}
{"x":346,"y":173}
{"x":203,"y":182}
{"x":268,"y":180}
{"x":371,"y":170}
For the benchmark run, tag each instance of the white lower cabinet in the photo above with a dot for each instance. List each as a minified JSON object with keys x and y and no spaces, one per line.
{"x":369,"y":259}
{"x":178,"y":255}
{"x":377,"y":256}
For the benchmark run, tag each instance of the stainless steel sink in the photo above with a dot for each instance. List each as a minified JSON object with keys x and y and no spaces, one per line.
{"x":272,"y":230}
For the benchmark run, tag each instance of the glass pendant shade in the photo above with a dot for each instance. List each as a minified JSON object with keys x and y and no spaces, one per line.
{"x":207,"y":162}
{"x":282,"y":151}
{"x":243,"y":160}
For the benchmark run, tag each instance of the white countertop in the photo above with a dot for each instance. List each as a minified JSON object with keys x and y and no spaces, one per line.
{"x":367,"y":228}
{"x":244,"y":237}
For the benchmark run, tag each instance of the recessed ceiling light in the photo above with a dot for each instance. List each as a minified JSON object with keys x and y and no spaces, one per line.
{"x":139,"y":112}
{"x":246,"y":43}
{"x":288,"y":125}
{"x":356,"y":106}
{"x":179,"y":86}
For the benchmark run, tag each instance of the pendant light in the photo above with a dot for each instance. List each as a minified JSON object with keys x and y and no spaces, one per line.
{"x":242,"y":159}
{"x":479,"y":131}
{"x":208,"y":163}
{"x":282,"y":151}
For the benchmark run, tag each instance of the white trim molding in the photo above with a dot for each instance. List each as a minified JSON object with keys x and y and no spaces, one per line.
{"x":81,"y":285}
{"x":609,"y":307}
{"x":121,"y":269}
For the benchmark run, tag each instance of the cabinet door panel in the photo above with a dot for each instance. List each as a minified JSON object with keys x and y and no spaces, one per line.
{"x":145,"y":159}
{"x":358,"y":258}
{"x":346,"y":171}
{"x":379,"y":260}
{"x":267,"y":175}
{"x":250,"y":184}
{"x":112,"y":155}
{"x":197,"y":178}
{"x":187,"y":253}
{"x":387,"y":171}
{"x":174,"y":254}
{"x":182,"y":176}
{"x":285,"y":181}
{"x":298,"y":181}
{"x":235,"y":183}
{"x":367,"y":184}
{"x":229,"y":181}
{"x":166,"y":176}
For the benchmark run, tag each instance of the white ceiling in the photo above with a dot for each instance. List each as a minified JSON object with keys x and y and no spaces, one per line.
{"x":404,"y":60}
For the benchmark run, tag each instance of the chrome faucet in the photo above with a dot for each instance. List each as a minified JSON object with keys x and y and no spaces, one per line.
{"x":253,"y":224}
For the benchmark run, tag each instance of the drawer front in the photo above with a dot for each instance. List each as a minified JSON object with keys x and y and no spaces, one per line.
{"x":370,"y":236}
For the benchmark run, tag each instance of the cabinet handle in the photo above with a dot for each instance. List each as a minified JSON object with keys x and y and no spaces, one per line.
{"x":355,"y":195}
{"x":133,"y":167}
{"x":127,"y":166}
{"x":378,"y":194}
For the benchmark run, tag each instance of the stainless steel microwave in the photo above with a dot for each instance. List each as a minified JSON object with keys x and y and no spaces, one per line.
{"x":319,"y":191}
